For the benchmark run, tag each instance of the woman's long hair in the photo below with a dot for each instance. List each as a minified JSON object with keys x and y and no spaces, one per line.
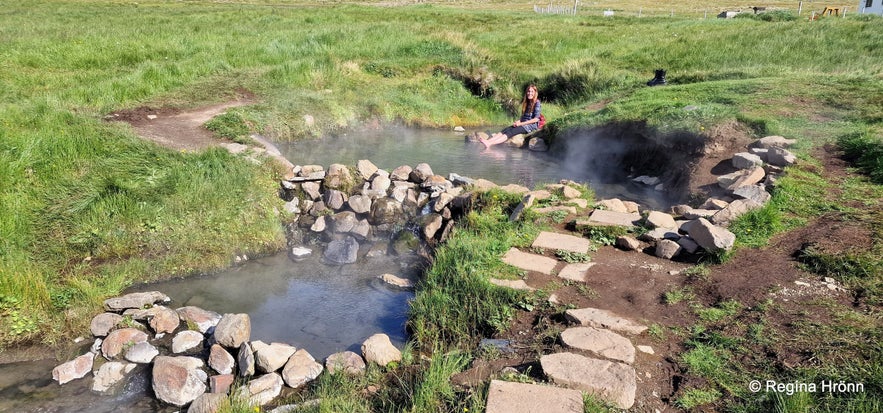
{"x":525,"y":104}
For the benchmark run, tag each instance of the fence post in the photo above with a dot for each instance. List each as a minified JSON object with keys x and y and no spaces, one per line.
{"x":799,"y":7}
{"x":639,"y":11}
{"x":706,"y":15}
{"x":575,"y":3}
{"x":844,"y":12}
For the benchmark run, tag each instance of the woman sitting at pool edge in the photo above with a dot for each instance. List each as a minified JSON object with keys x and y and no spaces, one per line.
{"x":529,"y":122}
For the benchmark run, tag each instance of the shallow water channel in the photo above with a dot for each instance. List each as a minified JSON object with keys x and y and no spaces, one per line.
{"x":309,"y":304}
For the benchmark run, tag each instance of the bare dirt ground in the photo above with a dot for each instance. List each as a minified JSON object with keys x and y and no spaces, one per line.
{"x":176,"y":128}
{"x":631,"y":284}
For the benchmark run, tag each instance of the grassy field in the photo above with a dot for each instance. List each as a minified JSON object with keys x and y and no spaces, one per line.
{"x":87,"y":208}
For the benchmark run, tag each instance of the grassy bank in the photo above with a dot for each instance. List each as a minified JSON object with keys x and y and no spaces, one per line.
{"x":87,"y":208}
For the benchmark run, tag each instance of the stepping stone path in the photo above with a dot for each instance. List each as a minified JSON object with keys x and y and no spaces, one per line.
{"x":609,"y":377}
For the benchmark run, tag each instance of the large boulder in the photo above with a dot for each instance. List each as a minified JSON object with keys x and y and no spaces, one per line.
{"x":263,"y":389}
{"x":711,"y":237}
{"x":220,"y":359}
{"x":109,"y":374}
{"x":103,"y":323}
{"x":339,"y":177}
{"x":118,"y":340}
{"x":379,"y":349}
{"x":270,"y":357}
{"x":386,"y":211}
{"x":346,"y":361}
{"x":301,"y":369}
{"x":178,"y":380}
{"x":233,"y":330}
{"x":202,"y":319}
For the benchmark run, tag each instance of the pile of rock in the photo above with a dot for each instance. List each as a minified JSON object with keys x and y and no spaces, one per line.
{"x":207,"y":351}
{"x":345,"y":206}
{"x":688,"y":229}
{"x":533,"y":143}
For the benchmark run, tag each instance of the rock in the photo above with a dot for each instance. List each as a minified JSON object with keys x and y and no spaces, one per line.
{"x":575,"y":271}
{"x":109,"y":374}
{"x":207,"y":403}
{"x":301,"y":369}
{"x":379,"y":349}
{"x":401,"y":173}
{"x":359,"y":204}
{"x":430,"y":223}
{"x":733,"y":211}
{"x":202,"y":319}
{"x":381,"y":184}
{"x":688,"y":245}
{"x":221,"y":383}
{"x":386,"y":211}
{"x":604,"y":343}
{"x":511,"y":397}
{"x":220,"y":359}
{"x":347,"y":361}
{"x":361,"y":229}
{"x":710,"y":237}
{"x":756,"y":193}
{"x":556,"y":241}
{"x":460,"y":180}
{"x":135,"y":300}
{"x":601,"y":217}
{"x":700,"y":213}
{"x":312,"y":190}
{"x":397,"y":281}
{"x":271,"y":358}
{"x":263,"y":389}
{"x":366,"y":168}
{"x":420,"y":173}
{"x":657,"y":234}
{"x":342,"y":251}
{"x":513,"y":284}
{"x":164,"y":319}
{"x":529,"y":262}
{"x":613,"y":204}
{"x":516,"y":141}
{"x":658,"y":219}
{"x":714,"y":204}
{"x":245,"y":360}
{"x":343,"y":222}
{"x":143,"y":353}
{"x":646,"y":349}
{"x":103,"y":323}
{"x":667,"y":249}
{"x":176,"y":381}
{"x":774,"y":141}
{"x":442,"y":201}
{"x":680,"y":210}
{"x":292,"y":207}
{"x":338,"y":177}
{"x":526,"y":202}
{"x":593,"y":317}
{"x":745,"y":160}
{"x":628,"y":243}
{"x":300,"y":253}
{"x":233,"y":330}
{"x":120,"y":339}
{"x":436,"y":184}
{"x":319,"y":225}
{"x":647,"y":180}
{"x":188,"y":340}
{"x":612,"y":382}
{"x":780,"y":157}
{"x":74,"y":369}
{"x":537,"y":145}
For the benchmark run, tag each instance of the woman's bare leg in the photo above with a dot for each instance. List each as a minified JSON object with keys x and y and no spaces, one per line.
{"x":497,"y":138}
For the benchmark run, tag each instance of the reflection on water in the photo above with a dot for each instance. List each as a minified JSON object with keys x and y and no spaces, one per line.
{"x":446,"y":152}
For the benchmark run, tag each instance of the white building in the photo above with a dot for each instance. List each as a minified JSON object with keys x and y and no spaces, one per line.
{"x":870,"y":6}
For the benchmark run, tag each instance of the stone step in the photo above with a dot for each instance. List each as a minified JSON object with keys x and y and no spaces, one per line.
{"x":513,"y":284}
{"x":575,"y":271}
{"x":509,"y":397}
{"x":594,"y":317}
{"x":601,"y":217}
{"x":604,"y":343}
{"x":556,"y":241}
{"x":529,"y":262}
{"x":609,"y":381}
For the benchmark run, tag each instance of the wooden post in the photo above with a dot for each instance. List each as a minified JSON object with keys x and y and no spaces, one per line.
{"x":706,"y":15}
{"x":639,"y":11}
{"x":844,"y":12}
{"x":575,"y":3}
{"x":672,"y":14}
{"x":799,"y":7}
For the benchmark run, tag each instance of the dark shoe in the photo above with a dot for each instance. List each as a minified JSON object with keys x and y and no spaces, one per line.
{"x":659,"y":79}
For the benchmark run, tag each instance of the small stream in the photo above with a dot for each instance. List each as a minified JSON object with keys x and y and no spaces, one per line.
{"x":309,"y":304}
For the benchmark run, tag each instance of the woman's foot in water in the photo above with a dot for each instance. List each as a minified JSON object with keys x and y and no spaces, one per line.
{"x":484,"y":142}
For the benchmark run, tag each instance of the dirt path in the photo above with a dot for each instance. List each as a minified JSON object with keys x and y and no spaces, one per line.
{"x":174,"y":128}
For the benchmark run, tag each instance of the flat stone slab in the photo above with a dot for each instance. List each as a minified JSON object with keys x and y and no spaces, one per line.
{"x":529,"y":262}
{"x":509,"y":397}
{"x":609,"y":381}
{"x":513,"y":284}
{"x":611,"y":218}
{"x":604,"y":343}
{"x":576,"y":271}
{"x":556,"y":241}
{"x":593,"y":317}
